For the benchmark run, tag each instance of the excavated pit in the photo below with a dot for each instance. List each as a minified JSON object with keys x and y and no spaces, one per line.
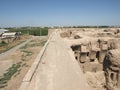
{"x":91,"y":50}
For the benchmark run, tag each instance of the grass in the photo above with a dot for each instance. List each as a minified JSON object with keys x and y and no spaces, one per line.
{"x":10,"y":72}
{"x":26,"y":54}
{"x":36,"y":31}
{"x":8,"y":46}
{"x":29,"y":53}
{"x":24,"y":47}
{"x":25,"y":64}
{"x":16,"y":68}
{"x":3,"y":43}
{"x":41,"y":43}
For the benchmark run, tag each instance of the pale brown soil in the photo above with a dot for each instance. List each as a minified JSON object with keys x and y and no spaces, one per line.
{"x":19,"y":56}
{"x":94,"y":70}
{"x":96,"y":80}
{"x":13,"y":43}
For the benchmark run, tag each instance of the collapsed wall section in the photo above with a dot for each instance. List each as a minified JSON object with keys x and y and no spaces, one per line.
{"x":91,"y":56}
{"x":112,"y":69}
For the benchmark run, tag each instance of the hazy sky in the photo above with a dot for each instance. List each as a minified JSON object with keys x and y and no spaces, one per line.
{"x":59,"y":12}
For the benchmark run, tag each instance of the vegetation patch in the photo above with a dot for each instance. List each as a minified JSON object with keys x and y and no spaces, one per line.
{"x":7,"y":46}
{"x":3,"y":43}
{"x":36,"y":31}
{"x":41,"y":43}
{"x":26,"y":54}
{"x":24,"y":47}
{"x":15,"y":69}
{"x":10,"y":72}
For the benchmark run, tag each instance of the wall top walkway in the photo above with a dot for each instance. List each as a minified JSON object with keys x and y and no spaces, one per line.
{"x":57,"y":69}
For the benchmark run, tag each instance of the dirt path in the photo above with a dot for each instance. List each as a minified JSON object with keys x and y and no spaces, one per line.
{"x":57,"y":71}
{"x":25,"y":56}
{"x":9,"y":52}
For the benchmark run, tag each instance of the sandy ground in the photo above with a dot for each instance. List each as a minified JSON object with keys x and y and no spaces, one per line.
{"x":96,"y":80}
{"x":19,"y":56}
{"x":14,"y":43}
{"x":4,"y":65}
{"x":57,"y":70}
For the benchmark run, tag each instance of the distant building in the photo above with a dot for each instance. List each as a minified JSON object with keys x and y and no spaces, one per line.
{"x":9,"y":35}
{"x":3,"y":31}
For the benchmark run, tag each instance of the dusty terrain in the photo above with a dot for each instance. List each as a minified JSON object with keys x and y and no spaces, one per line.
{"x":12,"y":43}
{"x":78,"y":59}
{"x":25,"y":56}
{"x":72,"y":59}
{"x":90,"y":46}
{"x":57,"y":69}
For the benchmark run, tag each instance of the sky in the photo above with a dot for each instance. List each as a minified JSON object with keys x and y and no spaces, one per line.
{"x":17,"y":13}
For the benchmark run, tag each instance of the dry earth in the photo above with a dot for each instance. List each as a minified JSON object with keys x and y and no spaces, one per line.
{"x":74,"y":59}
{"x":90,"y":46}
{"x":26,"y":55}
{"x":13,"y":43}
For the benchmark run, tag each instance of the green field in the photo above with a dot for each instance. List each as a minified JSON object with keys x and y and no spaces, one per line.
{"x":36,"y":31}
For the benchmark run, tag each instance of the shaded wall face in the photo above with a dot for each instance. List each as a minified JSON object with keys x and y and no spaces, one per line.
{"x":106,"y":63}
{"x":93,"y":51}
{"x":112,"y":73}
{"x":76,"y":48}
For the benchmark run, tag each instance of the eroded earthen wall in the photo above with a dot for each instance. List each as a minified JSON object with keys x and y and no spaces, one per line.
{"x":111,"y":67}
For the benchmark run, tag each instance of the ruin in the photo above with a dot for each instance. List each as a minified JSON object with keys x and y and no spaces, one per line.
{"x":92,"y":50}
{"x":112,"y":69}
{"x":86,"y":59}
{"x":95,"y":49}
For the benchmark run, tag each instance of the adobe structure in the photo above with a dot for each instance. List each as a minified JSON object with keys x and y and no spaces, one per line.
{"x":93,"y":48}
{"x":112,"y":69}
{"x":76,"y":59}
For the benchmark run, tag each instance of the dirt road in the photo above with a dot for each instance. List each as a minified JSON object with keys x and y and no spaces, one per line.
{"x":9,"y":52}
{"x":25,"y":56}
{"x":57,"y":70}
